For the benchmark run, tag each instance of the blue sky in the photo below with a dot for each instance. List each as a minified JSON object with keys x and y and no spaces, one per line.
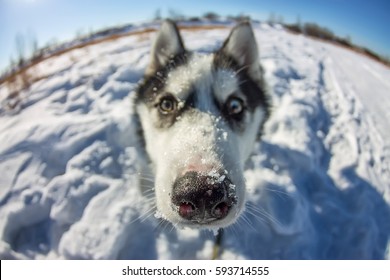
{"x":366,"y":22}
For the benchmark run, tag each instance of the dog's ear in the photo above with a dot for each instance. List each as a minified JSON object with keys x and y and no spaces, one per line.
{"x":242,"y":47}
{"x":167,"y":44}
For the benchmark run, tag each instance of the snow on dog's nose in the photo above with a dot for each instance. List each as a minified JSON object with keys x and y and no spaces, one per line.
{"x":203,"y":198}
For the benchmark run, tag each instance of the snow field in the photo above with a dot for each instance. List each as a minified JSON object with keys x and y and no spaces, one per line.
{"x":318,"y":184}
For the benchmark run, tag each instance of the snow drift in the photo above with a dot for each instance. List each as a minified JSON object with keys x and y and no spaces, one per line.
{"x":318,"y":184}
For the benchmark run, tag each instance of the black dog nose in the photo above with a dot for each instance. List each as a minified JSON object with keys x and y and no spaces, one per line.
{"x":202,"y":198}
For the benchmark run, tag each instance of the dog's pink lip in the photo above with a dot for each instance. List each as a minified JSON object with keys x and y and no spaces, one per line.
{"x":201,"y":168}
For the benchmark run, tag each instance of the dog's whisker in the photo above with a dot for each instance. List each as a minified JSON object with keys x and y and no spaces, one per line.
{"x":166,"y":224}
{"x":240,"y":70}
{"x":149,"y":194}
{"x":148,"y":191}
{"x":159,"y":225}
{"x":145,"y":175}
{"x":239,"y":224}
{"x":246,"y":220}
{"x":260,"y":211}
{"x":168,"y":227}
{"x":150,"y":200}
{"x":242,"y":82}
{"x":141,"y":218}
{"x":280,"y":193}
{"x":147,"y":214}
{"x":150,"y":180}
{"x":173,"y":227}
{"x":233,"y":229}
{"x":258,"y":217}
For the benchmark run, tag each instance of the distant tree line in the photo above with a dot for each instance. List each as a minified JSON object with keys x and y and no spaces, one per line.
{"x":316,"y":31}
{"x":210,"y":16}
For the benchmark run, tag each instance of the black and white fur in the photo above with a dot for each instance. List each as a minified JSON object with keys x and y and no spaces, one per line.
{"x":200,"y":115}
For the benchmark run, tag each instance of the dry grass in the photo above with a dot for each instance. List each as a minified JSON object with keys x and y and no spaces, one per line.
{"x":16,"y":84}
{"x":28,"y":80}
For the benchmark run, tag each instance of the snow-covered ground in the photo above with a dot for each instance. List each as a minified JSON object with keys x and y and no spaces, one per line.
{"x":318,"y":184}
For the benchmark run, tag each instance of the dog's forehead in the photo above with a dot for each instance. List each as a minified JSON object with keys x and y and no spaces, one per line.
{"x":199,"y":75}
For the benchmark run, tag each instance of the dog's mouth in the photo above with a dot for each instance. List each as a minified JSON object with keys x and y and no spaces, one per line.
{"x":203,"y":198}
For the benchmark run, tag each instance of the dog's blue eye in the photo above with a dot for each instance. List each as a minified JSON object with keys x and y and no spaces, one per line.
{"x":235,"y":106}
{"x":167,"y":104}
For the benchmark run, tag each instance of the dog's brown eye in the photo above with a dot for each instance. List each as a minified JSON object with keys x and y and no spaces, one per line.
{"x":167,"y":104}
{"x":235,"y":106}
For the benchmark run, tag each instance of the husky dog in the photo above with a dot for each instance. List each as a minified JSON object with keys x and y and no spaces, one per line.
{"x":200,"y":115}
